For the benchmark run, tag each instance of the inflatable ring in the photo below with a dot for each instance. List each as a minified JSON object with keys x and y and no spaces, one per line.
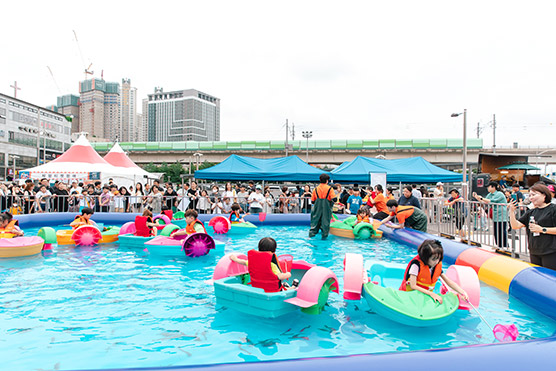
{"x":197,"y":244}
{"x":168,"y":229}
{"x":128,"y":228}
{"x":86,"y":235}
{"x":179,"y":215}
{"x":220,"y":224}
{"x":161,"y":218}
{"x":364,"y":231}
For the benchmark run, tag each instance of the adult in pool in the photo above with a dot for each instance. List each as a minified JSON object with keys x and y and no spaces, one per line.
{"x":408,"y":216}
{"x":321,"y":213}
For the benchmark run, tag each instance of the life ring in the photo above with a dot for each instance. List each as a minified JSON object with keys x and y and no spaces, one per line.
{"x":197,"y":244}
{"x":220,"y":224}
{"x":168,"y":229}
{"x":86,"y":235}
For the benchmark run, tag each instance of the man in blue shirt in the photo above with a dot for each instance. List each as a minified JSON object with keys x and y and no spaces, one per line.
{"x":354,"y":201}
{"x":517,"y":196}
{"x":407,"y":199}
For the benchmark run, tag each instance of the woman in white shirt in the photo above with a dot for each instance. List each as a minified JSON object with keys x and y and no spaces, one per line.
{"x":230,"y":192}
{"x":268,"y":202}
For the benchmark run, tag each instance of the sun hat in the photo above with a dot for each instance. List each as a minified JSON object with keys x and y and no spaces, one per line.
{"x":258,"y":186}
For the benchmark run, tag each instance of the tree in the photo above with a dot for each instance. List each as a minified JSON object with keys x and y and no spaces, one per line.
{"x":171,"y":172}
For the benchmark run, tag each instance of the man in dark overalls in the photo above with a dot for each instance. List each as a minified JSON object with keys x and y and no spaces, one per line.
{"x":321,"y":212}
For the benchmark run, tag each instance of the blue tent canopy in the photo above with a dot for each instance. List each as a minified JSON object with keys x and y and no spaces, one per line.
{"x":235,"y":167}
{"x":407,"y":170}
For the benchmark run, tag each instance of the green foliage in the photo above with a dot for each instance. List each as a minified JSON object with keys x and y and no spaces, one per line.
{"x":171,"y":172}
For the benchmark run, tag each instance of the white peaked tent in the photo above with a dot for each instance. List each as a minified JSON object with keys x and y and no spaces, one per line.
{"x":128,"y":171}
{"x":80,"y":163}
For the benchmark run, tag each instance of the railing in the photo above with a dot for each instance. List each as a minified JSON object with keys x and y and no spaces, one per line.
{"x":477,"y":224}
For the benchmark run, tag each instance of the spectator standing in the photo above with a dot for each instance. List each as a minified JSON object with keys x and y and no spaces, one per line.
{"x":354,"y":201}
{"x":203,"y":203}
{"x":499,"y":213}
{"x":42,"y":198}
{"x":306,"y":200}
{"x":229,"y":192}
{"x":183,"y":197}
{"x":268,"y":202}
{"x":517,"y":196}
{"x":540,"y":222}
{"x":407,"y":198}
{"x":137,"y":199}
{"x":171,"y":197}
{"x":294,"y":202}
{"x":242,"y":198}
{"x":28,"y":197}
{"x":456,"y":201}
{"x":193,"y":194}
{"x":415,"y":192}
{"x":283,"y":201}
{"x":438,"y":190}
{"x":256,"y":200}
{"x":155,"y":200}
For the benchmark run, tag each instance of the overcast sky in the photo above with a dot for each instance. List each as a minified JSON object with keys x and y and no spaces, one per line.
{"x":345,"y":70}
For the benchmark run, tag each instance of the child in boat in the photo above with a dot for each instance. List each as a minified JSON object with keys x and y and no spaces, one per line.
{"x":10,"y":225}
{"x":144,"y":225}
{"x":363,"y":215}
{"x":234,"y":215}
{"x":167,"y":211}
{"x":267,"y":245}
{"x":194,"y":225}
{"x":83,"y":219}
{"x":423,"y":271}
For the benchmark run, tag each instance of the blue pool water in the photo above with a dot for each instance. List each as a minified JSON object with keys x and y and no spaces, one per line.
{"x":112,"y":306}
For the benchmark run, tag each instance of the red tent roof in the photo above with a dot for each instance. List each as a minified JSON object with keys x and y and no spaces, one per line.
{"x":81,"y":151}
{"x":117,"y":157}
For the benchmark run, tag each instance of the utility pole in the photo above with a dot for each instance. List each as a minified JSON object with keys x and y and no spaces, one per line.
{"x":493,"y":133}
{"x":287,"y":138}
{"x":16,"y":88}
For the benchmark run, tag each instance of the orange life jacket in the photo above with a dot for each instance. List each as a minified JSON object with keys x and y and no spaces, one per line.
{"x":364,"y":219}
{"x":261,"y":272}
{"x":425,"y":278}
{"x":141,"y":227}
{"x":11,"y":226}
{"x":190,"y":228}
{"x":81,"y":219}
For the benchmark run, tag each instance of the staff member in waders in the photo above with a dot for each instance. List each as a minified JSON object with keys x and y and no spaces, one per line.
{"x":321,"y":213}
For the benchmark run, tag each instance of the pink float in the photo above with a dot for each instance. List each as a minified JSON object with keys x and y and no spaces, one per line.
{"x":220,"y":224}
{"x":86,"y":235}
{"x":467,"y":279}
{"x":308,"y":292}
{"x":354,"y":276}
{"x":128,"y":228}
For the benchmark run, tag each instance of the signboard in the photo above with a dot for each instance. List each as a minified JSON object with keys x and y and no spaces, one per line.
{"x":377,"y":178}
{"x":61,"y":176}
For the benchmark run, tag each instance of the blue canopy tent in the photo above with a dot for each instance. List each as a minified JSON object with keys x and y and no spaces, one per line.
{"x":406,"y":170}
{"x":235,"y":167}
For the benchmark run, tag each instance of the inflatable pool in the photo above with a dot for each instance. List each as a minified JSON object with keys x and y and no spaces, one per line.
{"x":20,"y":246}
{"x":349,"y":229}
{"x":232,"y":289}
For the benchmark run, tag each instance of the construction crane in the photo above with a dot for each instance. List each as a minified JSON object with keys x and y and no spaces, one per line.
{"x":88,"y":69}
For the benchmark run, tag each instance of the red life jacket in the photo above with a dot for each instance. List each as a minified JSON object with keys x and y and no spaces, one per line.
{"x":261,"y":272}
{"x":190,"y":228}
{"x":141,"y":227}
{"x":425,"y":278}
{"x":168,"y":213}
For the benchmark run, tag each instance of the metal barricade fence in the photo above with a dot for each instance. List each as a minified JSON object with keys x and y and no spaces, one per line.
{"x":477,"y":224}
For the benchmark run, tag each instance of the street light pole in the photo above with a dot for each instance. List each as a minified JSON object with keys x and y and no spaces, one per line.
{"x":464,"y":172}
{"x":38,"y":136}
{"x":307,"y":135}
